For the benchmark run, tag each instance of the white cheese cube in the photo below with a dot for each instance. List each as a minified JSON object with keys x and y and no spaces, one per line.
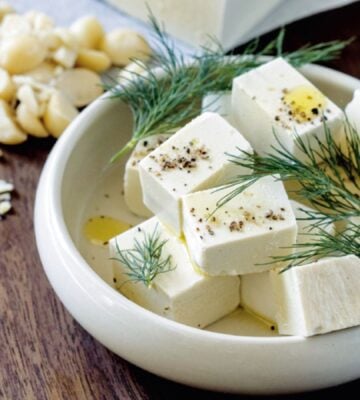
{"x":181,"y":294}
{"x":274,"y":102}
{"x":320,"y":297}
{"x":352,"y":186}
{"x":243,"y":235}
{"x":258,"y":297}
{"x":133,"y":194}
{"x":355,"y":220}
{"x":219,"y":102}
{"x":257,"y":292}
{"x":352,"y":110}
{"x":192,"y":159}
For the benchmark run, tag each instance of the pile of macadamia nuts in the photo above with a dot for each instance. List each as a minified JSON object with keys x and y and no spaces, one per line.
{"x":47,"y":73}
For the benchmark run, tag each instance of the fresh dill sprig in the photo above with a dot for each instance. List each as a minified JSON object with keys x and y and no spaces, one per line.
{"x":162,"y":100}
{"x":332,"y":188}
{"x":145,"y":261}
{"x":323,"y":244}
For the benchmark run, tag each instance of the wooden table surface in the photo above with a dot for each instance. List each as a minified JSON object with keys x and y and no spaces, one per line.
{"x":44,"y":353}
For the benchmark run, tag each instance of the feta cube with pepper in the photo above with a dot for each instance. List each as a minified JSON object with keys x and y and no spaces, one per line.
{"x":257,"y":292}
{"x":193,"y":159}
{"x":275,"y":103}
{"x":133,"y":194}
{"x":180,"y":293}
{"x":242,"y":235}
{"x":319,"y":297}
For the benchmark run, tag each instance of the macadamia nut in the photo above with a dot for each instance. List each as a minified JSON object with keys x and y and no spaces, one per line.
{"x":10,"y":132}
{"x":58,"y":114}
{"x":88,"y":31}
{"x":124,"y":45}
{"x":21,"y":53}
{"x":95,"y":60}
{"x":80,"y":85}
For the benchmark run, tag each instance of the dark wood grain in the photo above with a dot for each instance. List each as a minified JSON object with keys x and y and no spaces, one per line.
{"x":44,"y":353}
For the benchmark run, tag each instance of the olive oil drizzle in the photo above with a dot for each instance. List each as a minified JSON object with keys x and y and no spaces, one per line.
{"x":100,"y":229}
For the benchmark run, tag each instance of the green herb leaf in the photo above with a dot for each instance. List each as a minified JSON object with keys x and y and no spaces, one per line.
{"x":163,"y":100}
{"x":145,"y":261}
{"x":332,"y":189}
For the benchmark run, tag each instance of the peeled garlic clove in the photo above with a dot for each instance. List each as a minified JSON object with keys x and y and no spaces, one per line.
{"x":7,"y":87}
{"x":95,"y":60}
{"x":58,"y":114}
{"x":27,"y":96}
{"x":22,"y":53}
{"x":15,"y":24}
{"x":42,"y":108}
{"x":88,"y":31}
{"x":80,"y":85}
{"x":65,"y":56}
{"x":10,"y":133}
{"x":43,"y":73}
{"x":130,"y":72}
{"x":30,"y":122}
{"x":124,"y":45}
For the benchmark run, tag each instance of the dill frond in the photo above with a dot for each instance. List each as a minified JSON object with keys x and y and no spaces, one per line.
{"x":162,"y":100}
{"x":323,"y":244}
{"x":325,"y":186}
{"x":145,"y":261}
{"x":332,"y":189}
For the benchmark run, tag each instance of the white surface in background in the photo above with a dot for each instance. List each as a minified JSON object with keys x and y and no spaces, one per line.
{"x":231,"y":22}
{"x":64,"y":12}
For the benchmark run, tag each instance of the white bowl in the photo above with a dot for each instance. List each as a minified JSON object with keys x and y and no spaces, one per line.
{"x":234,"y":355}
